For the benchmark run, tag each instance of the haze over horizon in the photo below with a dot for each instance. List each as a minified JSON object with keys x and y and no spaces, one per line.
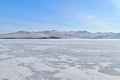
{"x":61,"y":15}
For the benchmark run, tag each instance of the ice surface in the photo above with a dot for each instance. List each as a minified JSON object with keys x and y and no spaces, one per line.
{"x":60,"y":59}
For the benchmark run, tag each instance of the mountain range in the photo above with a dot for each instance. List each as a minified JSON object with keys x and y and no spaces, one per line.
{"x":53,"y":34}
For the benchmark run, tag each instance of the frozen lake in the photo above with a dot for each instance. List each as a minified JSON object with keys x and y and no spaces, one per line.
{"x":61,"y":59}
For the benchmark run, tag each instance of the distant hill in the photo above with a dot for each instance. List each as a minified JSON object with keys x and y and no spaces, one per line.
{"x":59,"y":35}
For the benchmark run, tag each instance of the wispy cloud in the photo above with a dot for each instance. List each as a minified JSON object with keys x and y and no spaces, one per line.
{"x":15,"y":25}
{"x":116,"y":3}
{"x":87,"y":21}
{"x":71,"y":16}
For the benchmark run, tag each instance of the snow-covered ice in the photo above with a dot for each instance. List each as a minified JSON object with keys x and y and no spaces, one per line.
{"x":61,"y":59}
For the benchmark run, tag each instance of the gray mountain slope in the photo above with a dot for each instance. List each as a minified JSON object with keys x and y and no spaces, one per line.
{"x":59,"y":35}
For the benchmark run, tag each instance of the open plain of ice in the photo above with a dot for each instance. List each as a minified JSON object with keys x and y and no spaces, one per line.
{"x":61,"y":59}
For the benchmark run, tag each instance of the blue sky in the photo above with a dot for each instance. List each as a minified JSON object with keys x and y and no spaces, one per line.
{"x":62,"y":15}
